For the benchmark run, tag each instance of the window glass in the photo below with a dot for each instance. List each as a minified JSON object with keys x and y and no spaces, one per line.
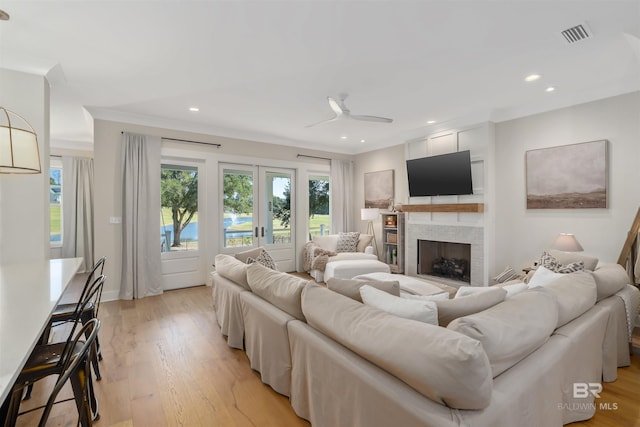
{"x":238,"y":208}
{"x":179,"y":208}
{"x":319,"y":217}
{"x":55,"y":202}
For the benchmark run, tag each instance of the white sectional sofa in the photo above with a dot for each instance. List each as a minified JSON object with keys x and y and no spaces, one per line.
{"x":343,"y":363}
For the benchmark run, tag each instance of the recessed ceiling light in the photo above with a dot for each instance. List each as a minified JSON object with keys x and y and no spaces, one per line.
{"x":532,"y":78}
{"x":194,"y":109}
{"x":430,"y":122}
{"x":550,"y":89}
{"x":343,"y":137}
{"x":362,"y":140}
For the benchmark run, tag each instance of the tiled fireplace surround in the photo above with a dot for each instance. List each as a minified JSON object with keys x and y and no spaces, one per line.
{"x":447,"y":233}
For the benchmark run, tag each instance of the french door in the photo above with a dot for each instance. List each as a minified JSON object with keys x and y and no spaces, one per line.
{"x":258,"y":209}
{"x":182,"y":223}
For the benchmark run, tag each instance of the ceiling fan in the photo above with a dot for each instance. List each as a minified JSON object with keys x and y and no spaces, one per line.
{"x":342,"y":112}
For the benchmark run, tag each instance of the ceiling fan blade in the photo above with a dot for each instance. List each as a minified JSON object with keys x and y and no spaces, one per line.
{"x":335,"y":106}
{"x":372,"y":119}
{"x":323,"y":122}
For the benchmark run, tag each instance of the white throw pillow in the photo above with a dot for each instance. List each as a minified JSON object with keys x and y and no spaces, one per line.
{"x":463,"y":291}
{"x":328,"y":242}
{"x":423,"y":311}
{"x":514,"y":289}
{"x":542,"y":277}
{"x":437,"y":297}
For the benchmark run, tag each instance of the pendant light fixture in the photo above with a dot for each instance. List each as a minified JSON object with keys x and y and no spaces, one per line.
{"x":18,"y":144}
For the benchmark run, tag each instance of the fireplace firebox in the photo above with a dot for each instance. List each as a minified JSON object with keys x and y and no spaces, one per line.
{"x":445,"y":259}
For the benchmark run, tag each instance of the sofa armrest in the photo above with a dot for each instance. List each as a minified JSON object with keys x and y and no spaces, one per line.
{"x":369,"y":250}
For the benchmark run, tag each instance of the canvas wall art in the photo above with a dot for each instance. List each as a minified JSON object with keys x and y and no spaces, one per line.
{"x":567,"y":177}
{"x":378,"y":189}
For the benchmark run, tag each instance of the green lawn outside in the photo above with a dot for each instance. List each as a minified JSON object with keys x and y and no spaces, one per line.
{"x":54,"y":220}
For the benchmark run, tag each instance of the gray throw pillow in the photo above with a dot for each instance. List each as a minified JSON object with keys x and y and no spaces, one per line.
{"x":348,"y":242}
{"x":264,"y":259}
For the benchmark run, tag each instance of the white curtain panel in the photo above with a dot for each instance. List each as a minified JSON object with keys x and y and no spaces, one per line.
{"x":140,"y":216}
{"x":77,"y":208}
{"x":341,"y":187}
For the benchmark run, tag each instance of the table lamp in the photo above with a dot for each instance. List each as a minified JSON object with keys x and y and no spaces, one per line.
{"x":567,"y":243}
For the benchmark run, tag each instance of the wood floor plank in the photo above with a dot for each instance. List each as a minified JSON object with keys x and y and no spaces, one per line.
{"x":166,"y":364}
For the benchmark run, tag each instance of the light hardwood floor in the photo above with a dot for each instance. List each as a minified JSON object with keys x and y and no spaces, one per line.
{"x":166,"y":364}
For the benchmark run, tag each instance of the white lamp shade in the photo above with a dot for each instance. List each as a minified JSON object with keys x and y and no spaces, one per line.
{"x":567,"y":243}
{"x":369,"y":214}
{"x":18,"y":145}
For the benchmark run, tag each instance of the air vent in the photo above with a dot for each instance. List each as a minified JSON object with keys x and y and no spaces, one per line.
{"x":576,"y":34}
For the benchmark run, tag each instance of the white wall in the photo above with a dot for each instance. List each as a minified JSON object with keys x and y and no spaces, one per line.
{"x":373,"y":161}
{"x":24,"y":199}
{"x":521,"y":234}
{"x":108,"y":194}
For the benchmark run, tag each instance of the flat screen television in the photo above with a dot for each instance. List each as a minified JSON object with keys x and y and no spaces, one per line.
{"x":441,"y":175}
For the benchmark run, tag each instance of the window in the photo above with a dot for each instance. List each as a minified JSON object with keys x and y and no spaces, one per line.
{"x":319,"y":217}
{"x":179,"y":208}
{"x":55,"y":202}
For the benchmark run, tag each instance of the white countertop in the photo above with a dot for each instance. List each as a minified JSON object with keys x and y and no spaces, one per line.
{"x":28,"y":294}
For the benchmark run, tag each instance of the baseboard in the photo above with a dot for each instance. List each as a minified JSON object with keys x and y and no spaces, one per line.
{"x":110,"y":296}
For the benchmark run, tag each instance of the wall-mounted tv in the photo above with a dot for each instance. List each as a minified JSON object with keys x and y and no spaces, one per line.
{"x":441,"y":175}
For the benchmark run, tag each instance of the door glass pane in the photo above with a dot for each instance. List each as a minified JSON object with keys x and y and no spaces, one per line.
{"x":319,"y":217}
{"x":55,"y":204}
{"x":179,"y":208}
{"x":237,"y":208}
{"x":278,"y":230}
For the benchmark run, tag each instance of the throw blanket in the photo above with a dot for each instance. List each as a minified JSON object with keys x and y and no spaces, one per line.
{"x":315,"y":257}
{"x":631,"y":297}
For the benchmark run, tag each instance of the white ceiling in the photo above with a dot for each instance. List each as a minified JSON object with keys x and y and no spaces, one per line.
{"x":262,"y":70}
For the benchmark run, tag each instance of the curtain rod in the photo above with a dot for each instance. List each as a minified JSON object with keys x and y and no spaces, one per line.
{"x":314,"y":157}
{"x":187,"y":140}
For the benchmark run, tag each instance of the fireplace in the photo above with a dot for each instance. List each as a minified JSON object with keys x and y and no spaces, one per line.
{"x":469,"y":235}
{"x":445,"y":259}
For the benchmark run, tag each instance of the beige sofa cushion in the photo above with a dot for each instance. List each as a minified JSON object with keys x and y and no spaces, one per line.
{"x":565,"y":258}
{"x":575,"y":294}
{"x":280,"y":289}
{"x":363,"y":242}
{"x":422,"y":311}
{"x":232,"y":269}
{"x":610,"y":278}
{"x":351,"y":287}
{"x":513,"y":329}
{"x":451,"y":309}
{"x":251,"y":253}
{"x":447,"y":367}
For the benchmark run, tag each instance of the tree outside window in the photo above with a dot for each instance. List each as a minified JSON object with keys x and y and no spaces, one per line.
{"x":179,"y":207}
{"x":319,"y":195}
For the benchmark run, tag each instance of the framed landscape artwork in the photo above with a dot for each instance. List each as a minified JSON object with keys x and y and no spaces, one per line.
{"x":567,"y":177}
{"x":378,"y":189}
